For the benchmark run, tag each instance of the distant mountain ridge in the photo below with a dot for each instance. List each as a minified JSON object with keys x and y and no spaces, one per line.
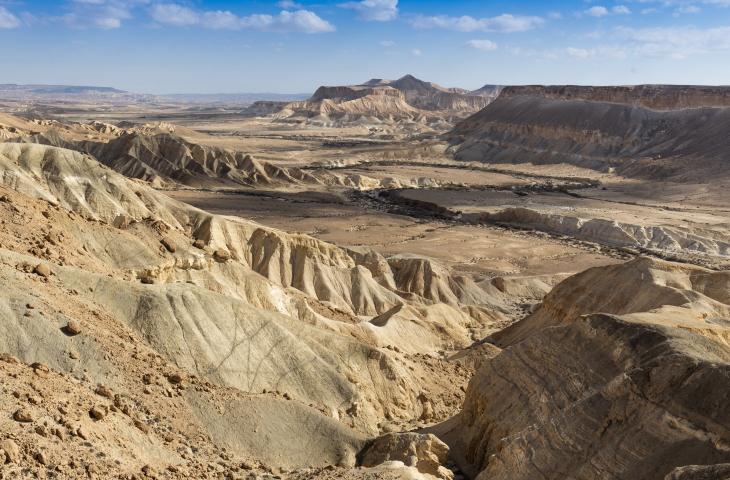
{"x":380,"y":100}
{"x":417,"y":93}
{"x":644,"y":131}
{"x":43,"y":92}
{"x":50,"y":89}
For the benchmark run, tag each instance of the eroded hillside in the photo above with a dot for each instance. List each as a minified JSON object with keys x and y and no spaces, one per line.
{"x":648,"y":132}
{"x":240,"y":297}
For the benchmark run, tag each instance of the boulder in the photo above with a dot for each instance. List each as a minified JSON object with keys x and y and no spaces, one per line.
{"x":425,"y":452}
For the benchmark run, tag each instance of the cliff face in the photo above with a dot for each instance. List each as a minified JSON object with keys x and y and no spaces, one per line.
{"x":407,"y":98}
{"x":603,"y":128}
{"x":636,"y":392}
{"x":347,"y":93}
{"x":658,"y":97}
{"x":430,"y":96}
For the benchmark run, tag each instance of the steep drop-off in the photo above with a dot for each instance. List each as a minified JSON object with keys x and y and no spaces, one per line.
{"x":649,"y":132}
{"x":623,"y":372}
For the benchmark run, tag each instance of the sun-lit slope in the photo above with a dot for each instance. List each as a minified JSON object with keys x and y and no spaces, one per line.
{"x":623,"y":372}
{"x":407,"y":99}
{"x":641,"y":285}
{"x":648,"y":133}
{"x":240,"y":304}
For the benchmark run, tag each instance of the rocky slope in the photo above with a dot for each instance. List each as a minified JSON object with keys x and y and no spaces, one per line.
{"x":156,"y":154}
{"x":430,"y":96}
{"x":649,"y":132}
{"x":216,"y":341}
{"x":656,"y":97}
{"x":621,"y":373}
{"x":660,"y":239}
{"x":377,"y":100}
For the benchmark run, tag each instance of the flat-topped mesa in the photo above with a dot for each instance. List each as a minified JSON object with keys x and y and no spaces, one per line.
{"x":346,"y":93}
{"x":379,"y":100}
{"x":648,"y":131}
{"x":657,"y":97}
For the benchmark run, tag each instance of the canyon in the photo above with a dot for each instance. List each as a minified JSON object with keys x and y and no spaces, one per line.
{"x":392,"y":280}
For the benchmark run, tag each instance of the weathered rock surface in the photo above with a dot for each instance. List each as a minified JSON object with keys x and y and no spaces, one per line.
{"x":649,"y":132}
{"x":273,"y":346}
{"x":631,"y":393}
{"x":425,"y":452}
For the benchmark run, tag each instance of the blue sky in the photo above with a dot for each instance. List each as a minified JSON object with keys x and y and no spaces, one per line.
{"x":206,"y":46}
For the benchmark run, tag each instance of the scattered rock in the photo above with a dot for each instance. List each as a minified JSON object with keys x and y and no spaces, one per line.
{"x":168,"y":243}
{"x":43,"y":270}
{"x":23,"y":415}
{"x":98,"y":412}
{"x":424,"y":451}
{"x":199,"y":243}
{"x":175,"y":378}
{"x":221,"y":255}
{"x":72,"y":328}
{"x":104,"y":391}
{"x":40,"y":369}
{"x":12,"y":451}
{"x":141,"y":426}
{"x":8,"y":358}
{"x":122,"y":221}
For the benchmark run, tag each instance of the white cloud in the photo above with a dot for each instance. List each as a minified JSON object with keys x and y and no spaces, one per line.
{"x":604,"y":51}
{"x":7,"y":19}
{"x":417,"y":52}
{"x":483,"y":44}
{"x":387,"y":43}
{"x":506,"y":23}
{"x":621,"y":10}
{"x":108,"y":23}
{"x":289,"y":5}
{"x":597,"y":11}
{"x":676,"y":42}
{"x":220,"y":20}
{"x":286,"y":21}
{"x":374,"y":10}
{"x":104,"y":14}
{"x":301,"y":21}
{"x":675,"y":3}
{"x":555,"y":15}
{"x":688,"y":9}
{"x":174,"y":15}
{"x":578,"y":52}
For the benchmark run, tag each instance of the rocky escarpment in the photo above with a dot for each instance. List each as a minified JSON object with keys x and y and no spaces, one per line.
{"x":603,"y":129}
{"x":635,"y":392}
{"x":662,"y":239}
{"x":345,"y":93}
{"x":657,"y":97}
{"x":641,"y":285}
{"x":407,"y":98}
{"x":241,"y":305}
{"x":430,"y":96}
{"x":166,"y":157}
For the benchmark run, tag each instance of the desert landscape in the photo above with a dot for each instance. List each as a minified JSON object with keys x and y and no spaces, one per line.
{"x":384,"y":280}
{"x":462,"y":292}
